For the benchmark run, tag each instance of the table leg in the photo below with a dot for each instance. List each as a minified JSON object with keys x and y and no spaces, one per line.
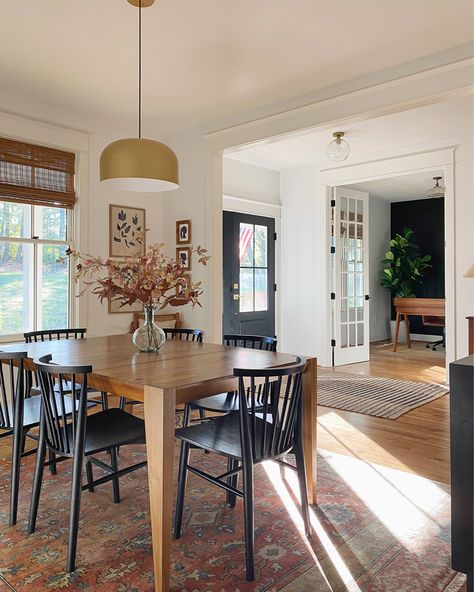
{"x":159,"y":425}
{"x":407,"y":330}
{"x":397,"y":328}
{"x":310,"y":423}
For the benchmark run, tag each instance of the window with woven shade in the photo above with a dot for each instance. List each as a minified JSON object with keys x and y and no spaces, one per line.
{"x":36,"y":175}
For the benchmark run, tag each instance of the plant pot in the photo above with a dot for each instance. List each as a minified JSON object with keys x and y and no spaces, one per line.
{"x":149,"y":337}
{"x":402,"y":334}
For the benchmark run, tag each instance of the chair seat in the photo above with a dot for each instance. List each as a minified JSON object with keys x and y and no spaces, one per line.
{"x":223,"y":403}
{"x":221,"y":435}
{"x":111,"y":428}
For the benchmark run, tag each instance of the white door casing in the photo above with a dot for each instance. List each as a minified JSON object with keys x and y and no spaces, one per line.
{"x":350,"y":276}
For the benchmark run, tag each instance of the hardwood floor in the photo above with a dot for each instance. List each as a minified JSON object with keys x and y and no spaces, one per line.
{"x":418,"y":441}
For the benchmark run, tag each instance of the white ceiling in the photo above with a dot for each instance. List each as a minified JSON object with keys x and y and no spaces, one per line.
{"x":209,"y":59}
{"x":367,"y":138}
{"x":403,"y":188}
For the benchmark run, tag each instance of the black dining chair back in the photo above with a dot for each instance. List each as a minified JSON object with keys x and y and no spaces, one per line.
{"x":184,"y":334}
{"x":269,"y":406}
{"x":64,"y":409}
{"x":53,"y":334}
{"x":12,"y":386}
{"x":251,"y":341}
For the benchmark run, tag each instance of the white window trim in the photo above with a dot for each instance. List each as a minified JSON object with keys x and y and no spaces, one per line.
{"x":36,"y":132}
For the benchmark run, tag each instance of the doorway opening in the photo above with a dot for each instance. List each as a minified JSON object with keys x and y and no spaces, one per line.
{"x":394,"y":224}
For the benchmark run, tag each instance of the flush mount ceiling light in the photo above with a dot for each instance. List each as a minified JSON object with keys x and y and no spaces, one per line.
{"x":338,"y":149}
{"x":437,"y":190}
{"x":139,"y":164}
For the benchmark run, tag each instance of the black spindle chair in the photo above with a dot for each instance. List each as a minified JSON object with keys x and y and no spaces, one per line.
{"x":78,"y":435}
{"x":173,"y":335}
{"x":57,"y":334}
{"x":227,"y":402}
{"x":267,"y":427}
{"x":18,"y":415}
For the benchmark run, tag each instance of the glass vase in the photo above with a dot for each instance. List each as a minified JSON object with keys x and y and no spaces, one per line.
{"x":149,"y":337}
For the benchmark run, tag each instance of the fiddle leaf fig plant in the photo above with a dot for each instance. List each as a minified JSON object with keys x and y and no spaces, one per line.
{"x":404,"y":267}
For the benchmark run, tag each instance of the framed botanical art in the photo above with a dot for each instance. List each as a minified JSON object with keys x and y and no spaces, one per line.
{"x":183,"y":232}
{"x":127,"y":231}
{"x":183,"y":256}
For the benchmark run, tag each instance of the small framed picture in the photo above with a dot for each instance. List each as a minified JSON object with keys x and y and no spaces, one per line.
{"x":183,"y":256}
{"x":183,"y":232}
{"x":127,"y":231}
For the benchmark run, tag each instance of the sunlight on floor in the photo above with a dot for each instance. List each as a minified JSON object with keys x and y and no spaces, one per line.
{"x":274,"y":473}
{"x":404,"y":503}
{"x":333,"y":423}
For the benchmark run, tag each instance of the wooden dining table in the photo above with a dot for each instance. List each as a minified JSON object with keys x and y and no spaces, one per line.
{"x":180,"y":372}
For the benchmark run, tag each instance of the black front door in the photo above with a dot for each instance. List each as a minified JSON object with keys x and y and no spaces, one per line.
{"x":249,"y":274}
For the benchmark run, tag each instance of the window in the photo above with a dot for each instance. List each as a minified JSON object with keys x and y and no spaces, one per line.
{"x":36,"y":199}
{"x":253,"y":243}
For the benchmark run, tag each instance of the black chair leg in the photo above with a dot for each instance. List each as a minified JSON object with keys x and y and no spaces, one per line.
{"x":202,"y":414}
{"x":122,"y":403}
{"x":182,"y":477}
{"x":300,"y":467}
{"x":231,"y":498}
{"x":104,"y":399}
{"x":247,"y":474}
{"x":90,"y":476}
{"x":52,"y":463}
{"x":18,"y":445}
{"x":76,"y":487}
{"x":37,"y":480}
{"x":115,"y":482}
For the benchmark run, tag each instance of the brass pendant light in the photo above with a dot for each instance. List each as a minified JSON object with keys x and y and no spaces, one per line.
{"x":139,"y":164}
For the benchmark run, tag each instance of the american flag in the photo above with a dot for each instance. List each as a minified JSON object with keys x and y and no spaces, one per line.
{"x":246,"y":235}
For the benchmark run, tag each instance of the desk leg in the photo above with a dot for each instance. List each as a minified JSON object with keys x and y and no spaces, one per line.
{"x":310,"y":423}
{"x":397,"y":328}
{"x":407,"y":329}
{"x":159,"y":425}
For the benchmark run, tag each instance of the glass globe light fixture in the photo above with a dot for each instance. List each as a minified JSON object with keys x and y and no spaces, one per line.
{"x":338,"y":149}
{"x":437,"y":190}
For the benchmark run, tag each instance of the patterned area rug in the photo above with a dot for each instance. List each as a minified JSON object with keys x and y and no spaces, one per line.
{"x":376,"y":530}
{"x":371,"y":395}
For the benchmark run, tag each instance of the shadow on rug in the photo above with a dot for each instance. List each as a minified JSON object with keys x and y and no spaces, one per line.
{"x":376,"y":529}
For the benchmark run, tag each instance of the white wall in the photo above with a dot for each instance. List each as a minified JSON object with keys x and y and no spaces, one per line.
{"x":379,"y":236}
{"x":302,"y":290}
{"x":256,"y":183}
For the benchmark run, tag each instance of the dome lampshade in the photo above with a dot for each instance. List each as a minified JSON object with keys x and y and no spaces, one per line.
{"x":139,"y":164}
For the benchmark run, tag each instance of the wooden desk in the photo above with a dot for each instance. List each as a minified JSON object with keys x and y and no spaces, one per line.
{"x":182,"y":371}
{"x":430,"y":307}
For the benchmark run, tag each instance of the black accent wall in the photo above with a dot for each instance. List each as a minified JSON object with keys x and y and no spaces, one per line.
{"x":426,"y":218}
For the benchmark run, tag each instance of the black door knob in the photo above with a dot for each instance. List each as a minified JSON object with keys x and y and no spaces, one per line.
{"x":367,"y":297}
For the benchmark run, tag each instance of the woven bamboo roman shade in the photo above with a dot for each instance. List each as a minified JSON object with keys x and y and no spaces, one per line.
{"x":36,"y":175}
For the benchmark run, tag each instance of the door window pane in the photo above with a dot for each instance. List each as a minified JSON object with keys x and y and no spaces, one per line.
{"x":260,"y":246}
{"x":246,"y":290}
{"x":261,"y":289}
{"x":16,"y":285}
{"x":53,"y":305}
{"x":246,"y":245}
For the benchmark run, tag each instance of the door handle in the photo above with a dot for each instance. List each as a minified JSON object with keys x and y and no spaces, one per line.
{"x":367,"y":297}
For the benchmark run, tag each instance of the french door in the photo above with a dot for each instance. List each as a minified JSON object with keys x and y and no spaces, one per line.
{"x":249,"y":274}
{"x":350,"y":276}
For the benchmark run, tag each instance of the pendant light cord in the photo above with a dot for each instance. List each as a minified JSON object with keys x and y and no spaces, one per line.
{"x":140,"y":69}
